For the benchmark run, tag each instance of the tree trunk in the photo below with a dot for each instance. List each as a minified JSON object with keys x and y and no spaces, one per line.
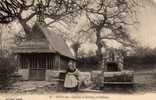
{"x":75,"y":46}
{"x":76,"y":54}
{"x":1,"y":53}
{"x":99,"y":47}
{"x":26,"y":27}
{"x":98,"y":43}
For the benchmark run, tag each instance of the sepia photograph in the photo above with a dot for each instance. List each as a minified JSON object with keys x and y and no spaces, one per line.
{"x":77,"y":49}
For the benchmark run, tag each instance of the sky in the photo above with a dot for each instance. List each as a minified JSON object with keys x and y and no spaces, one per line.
{"x":146,"y":30}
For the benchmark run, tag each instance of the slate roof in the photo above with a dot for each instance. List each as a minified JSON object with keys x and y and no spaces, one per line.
{"x":44,"y":41}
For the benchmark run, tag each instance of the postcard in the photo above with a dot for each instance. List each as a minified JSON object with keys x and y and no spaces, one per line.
{"x":77,"y":49}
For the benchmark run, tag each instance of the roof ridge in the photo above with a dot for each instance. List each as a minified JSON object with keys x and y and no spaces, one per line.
{"x":41,"y":24}
{"x":56,"y":42}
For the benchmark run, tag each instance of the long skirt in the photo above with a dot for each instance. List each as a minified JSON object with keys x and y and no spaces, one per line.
{"x":70,"y":81}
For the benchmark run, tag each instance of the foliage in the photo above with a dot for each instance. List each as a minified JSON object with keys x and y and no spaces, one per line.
{"x":7,"y":69}
{"x":88,"y":63}
{"x":143,"y":57}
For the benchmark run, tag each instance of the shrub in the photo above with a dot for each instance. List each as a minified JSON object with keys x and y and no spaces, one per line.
{"x":7,"y":69}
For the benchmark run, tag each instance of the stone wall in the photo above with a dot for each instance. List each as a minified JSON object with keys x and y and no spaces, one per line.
{"x":24,"y":73}
{"x":85,"y":78}
{"x":113,"y":55}
{"x":52,"y":75}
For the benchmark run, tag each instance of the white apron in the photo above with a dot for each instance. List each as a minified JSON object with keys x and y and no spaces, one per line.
{"x":70,"y":80}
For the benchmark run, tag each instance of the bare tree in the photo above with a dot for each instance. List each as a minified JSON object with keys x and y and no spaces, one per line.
{"x":78,"y":39}
{"x":112,"y":15}
{"x":10,"y":9}
{"x":75,"y":39}
{"x":53,"y":9}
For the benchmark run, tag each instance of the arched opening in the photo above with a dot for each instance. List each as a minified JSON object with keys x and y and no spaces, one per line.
{"x":112,"y":66}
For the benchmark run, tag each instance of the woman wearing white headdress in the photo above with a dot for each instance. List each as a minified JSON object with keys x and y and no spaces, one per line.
{"x":71,"y":82}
